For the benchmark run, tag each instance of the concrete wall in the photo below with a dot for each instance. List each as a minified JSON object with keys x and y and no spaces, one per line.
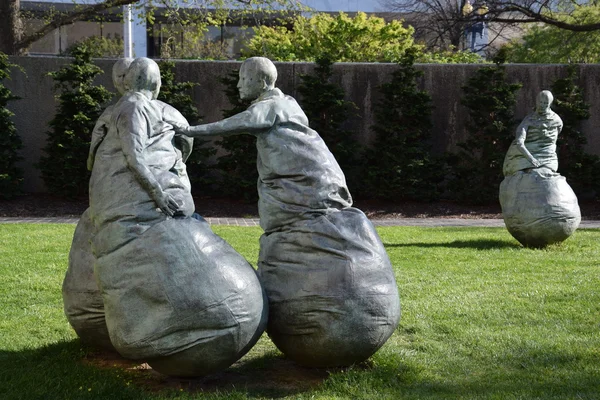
{"x":360,"y":81}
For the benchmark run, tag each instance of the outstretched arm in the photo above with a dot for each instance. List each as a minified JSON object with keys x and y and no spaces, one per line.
{"x":132,"y":128}
{"x":520,"y":143}
{"x":255,"y":119}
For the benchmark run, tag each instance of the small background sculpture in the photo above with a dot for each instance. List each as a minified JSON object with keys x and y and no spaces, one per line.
{"x":538,"y":205}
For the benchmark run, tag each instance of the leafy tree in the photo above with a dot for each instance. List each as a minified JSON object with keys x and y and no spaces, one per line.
{"x":582,"y":170}
{"x":11,"y":176}
{"x":345,"y":39}
{"x":550,"y":44}
{"x":327,"y":111}
{"x":400,"y":162}
{"x":338,"y":38}
{"x":450,"y":57}
{"x":477,"y":166}
{"x":193,"y":44}
{"x":80,"y":104}
{"x":101,"y":46}
{"x":238,"y":165}
{"x":178,"y":95}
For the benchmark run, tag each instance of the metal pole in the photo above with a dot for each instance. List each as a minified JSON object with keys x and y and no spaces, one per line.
{"x":127,"y":37}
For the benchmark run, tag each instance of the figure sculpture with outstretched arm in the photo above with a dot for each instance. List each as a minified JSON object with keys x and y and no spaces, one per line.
{"x":298,"y":175}
{"x":333,"y":298}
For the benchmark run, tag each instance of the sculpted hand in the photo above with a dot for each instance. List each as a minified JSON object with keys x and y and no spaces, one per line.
{"x":179,"y":128}
{"x":536,"y":163}
{"x":166,"y":203}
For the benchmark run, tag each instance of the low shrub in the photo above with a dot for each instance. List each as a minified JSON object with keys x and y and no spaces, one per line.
{"x":80,"y":104}
{"x":11,"y":176}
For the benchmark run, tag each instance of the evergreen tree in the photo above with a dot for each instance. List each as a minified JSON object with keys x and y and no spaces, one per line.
{"x":582,"y":170}
{"x":178,"y":95}
{"x":11,"y":177}
{"x":80,"y":104}
{"x":239,"y":164}
{"x":400,"y":162}
{"x":477,"y":166}
{"x":327,"y":111}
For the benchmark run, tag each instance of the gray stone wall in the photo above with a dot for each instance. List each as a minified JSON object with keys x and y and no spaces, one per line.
{"x":360,"y":81}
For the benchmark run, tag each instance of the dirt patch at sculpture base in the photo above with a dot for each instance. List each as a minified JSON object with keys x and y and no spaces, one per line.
{"x":271,"y":375}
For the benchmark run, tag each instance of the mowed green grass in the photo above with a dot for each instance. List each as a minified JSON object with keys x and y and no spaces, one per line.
{"x":482,"y":317}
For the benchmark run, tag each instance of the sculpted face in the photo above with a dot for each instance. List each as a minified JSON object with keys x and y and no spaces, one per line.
{"x":250,"y":85}
{"x":544,"y":100}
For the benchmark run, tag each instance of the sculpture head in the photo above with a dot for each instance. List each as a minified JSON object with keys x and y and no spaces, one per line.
{"x":143,"y":76}
{"x":544,"y":100}
{"x":257,"y":75}
{"x":119,"y":71}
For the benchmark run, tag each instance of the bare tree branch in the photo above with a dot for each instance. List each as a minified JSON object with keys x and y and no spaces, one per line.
{"x":439,"y":22}
{"x":70,"y":18}
{"x":498,"y":15}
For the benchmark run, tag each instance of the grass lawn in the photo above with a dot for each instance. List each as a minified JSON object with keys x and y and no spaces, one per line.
{"x":482,"y":317}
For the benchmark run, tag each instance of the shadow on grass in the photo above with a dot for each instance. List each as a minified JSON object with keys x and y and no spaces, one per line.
{"x":266,"y":376}
{"x":56,"y":371}
{"x":479,"y":244}
{"x":270,"y":376}
{"x":66,"y":370}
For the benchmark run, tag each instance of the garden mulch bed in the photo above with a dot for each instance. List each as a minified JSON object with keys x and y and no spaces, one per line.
{"x":44,"y":205}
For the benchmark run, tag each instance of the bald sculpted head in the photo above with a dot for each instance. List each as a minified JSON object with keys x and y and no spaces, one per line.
{"x":544,"y":100}
{"x":119,"y":71}
{"x":143,"y":76}
{"x":257,"y":75}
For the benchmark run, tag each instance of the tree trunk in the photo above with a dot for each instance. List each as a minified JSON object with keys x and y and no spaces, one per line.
{"x":11,"y":27}
{"x":456,"y":39}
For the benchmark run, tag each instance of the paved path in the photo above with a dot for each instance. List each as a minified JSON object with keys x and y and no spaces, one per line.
{"x":430,"y":222}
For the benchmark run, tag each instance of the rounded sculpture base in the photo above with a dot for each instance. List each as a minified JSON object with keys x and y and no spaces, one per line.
{"x":539,"y":207}
{"x":331,"y":331}
{"x":82,"y":299}
{"x":187,"y":303}
{"x":202,"y":359}
{"x":333,"y":299}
